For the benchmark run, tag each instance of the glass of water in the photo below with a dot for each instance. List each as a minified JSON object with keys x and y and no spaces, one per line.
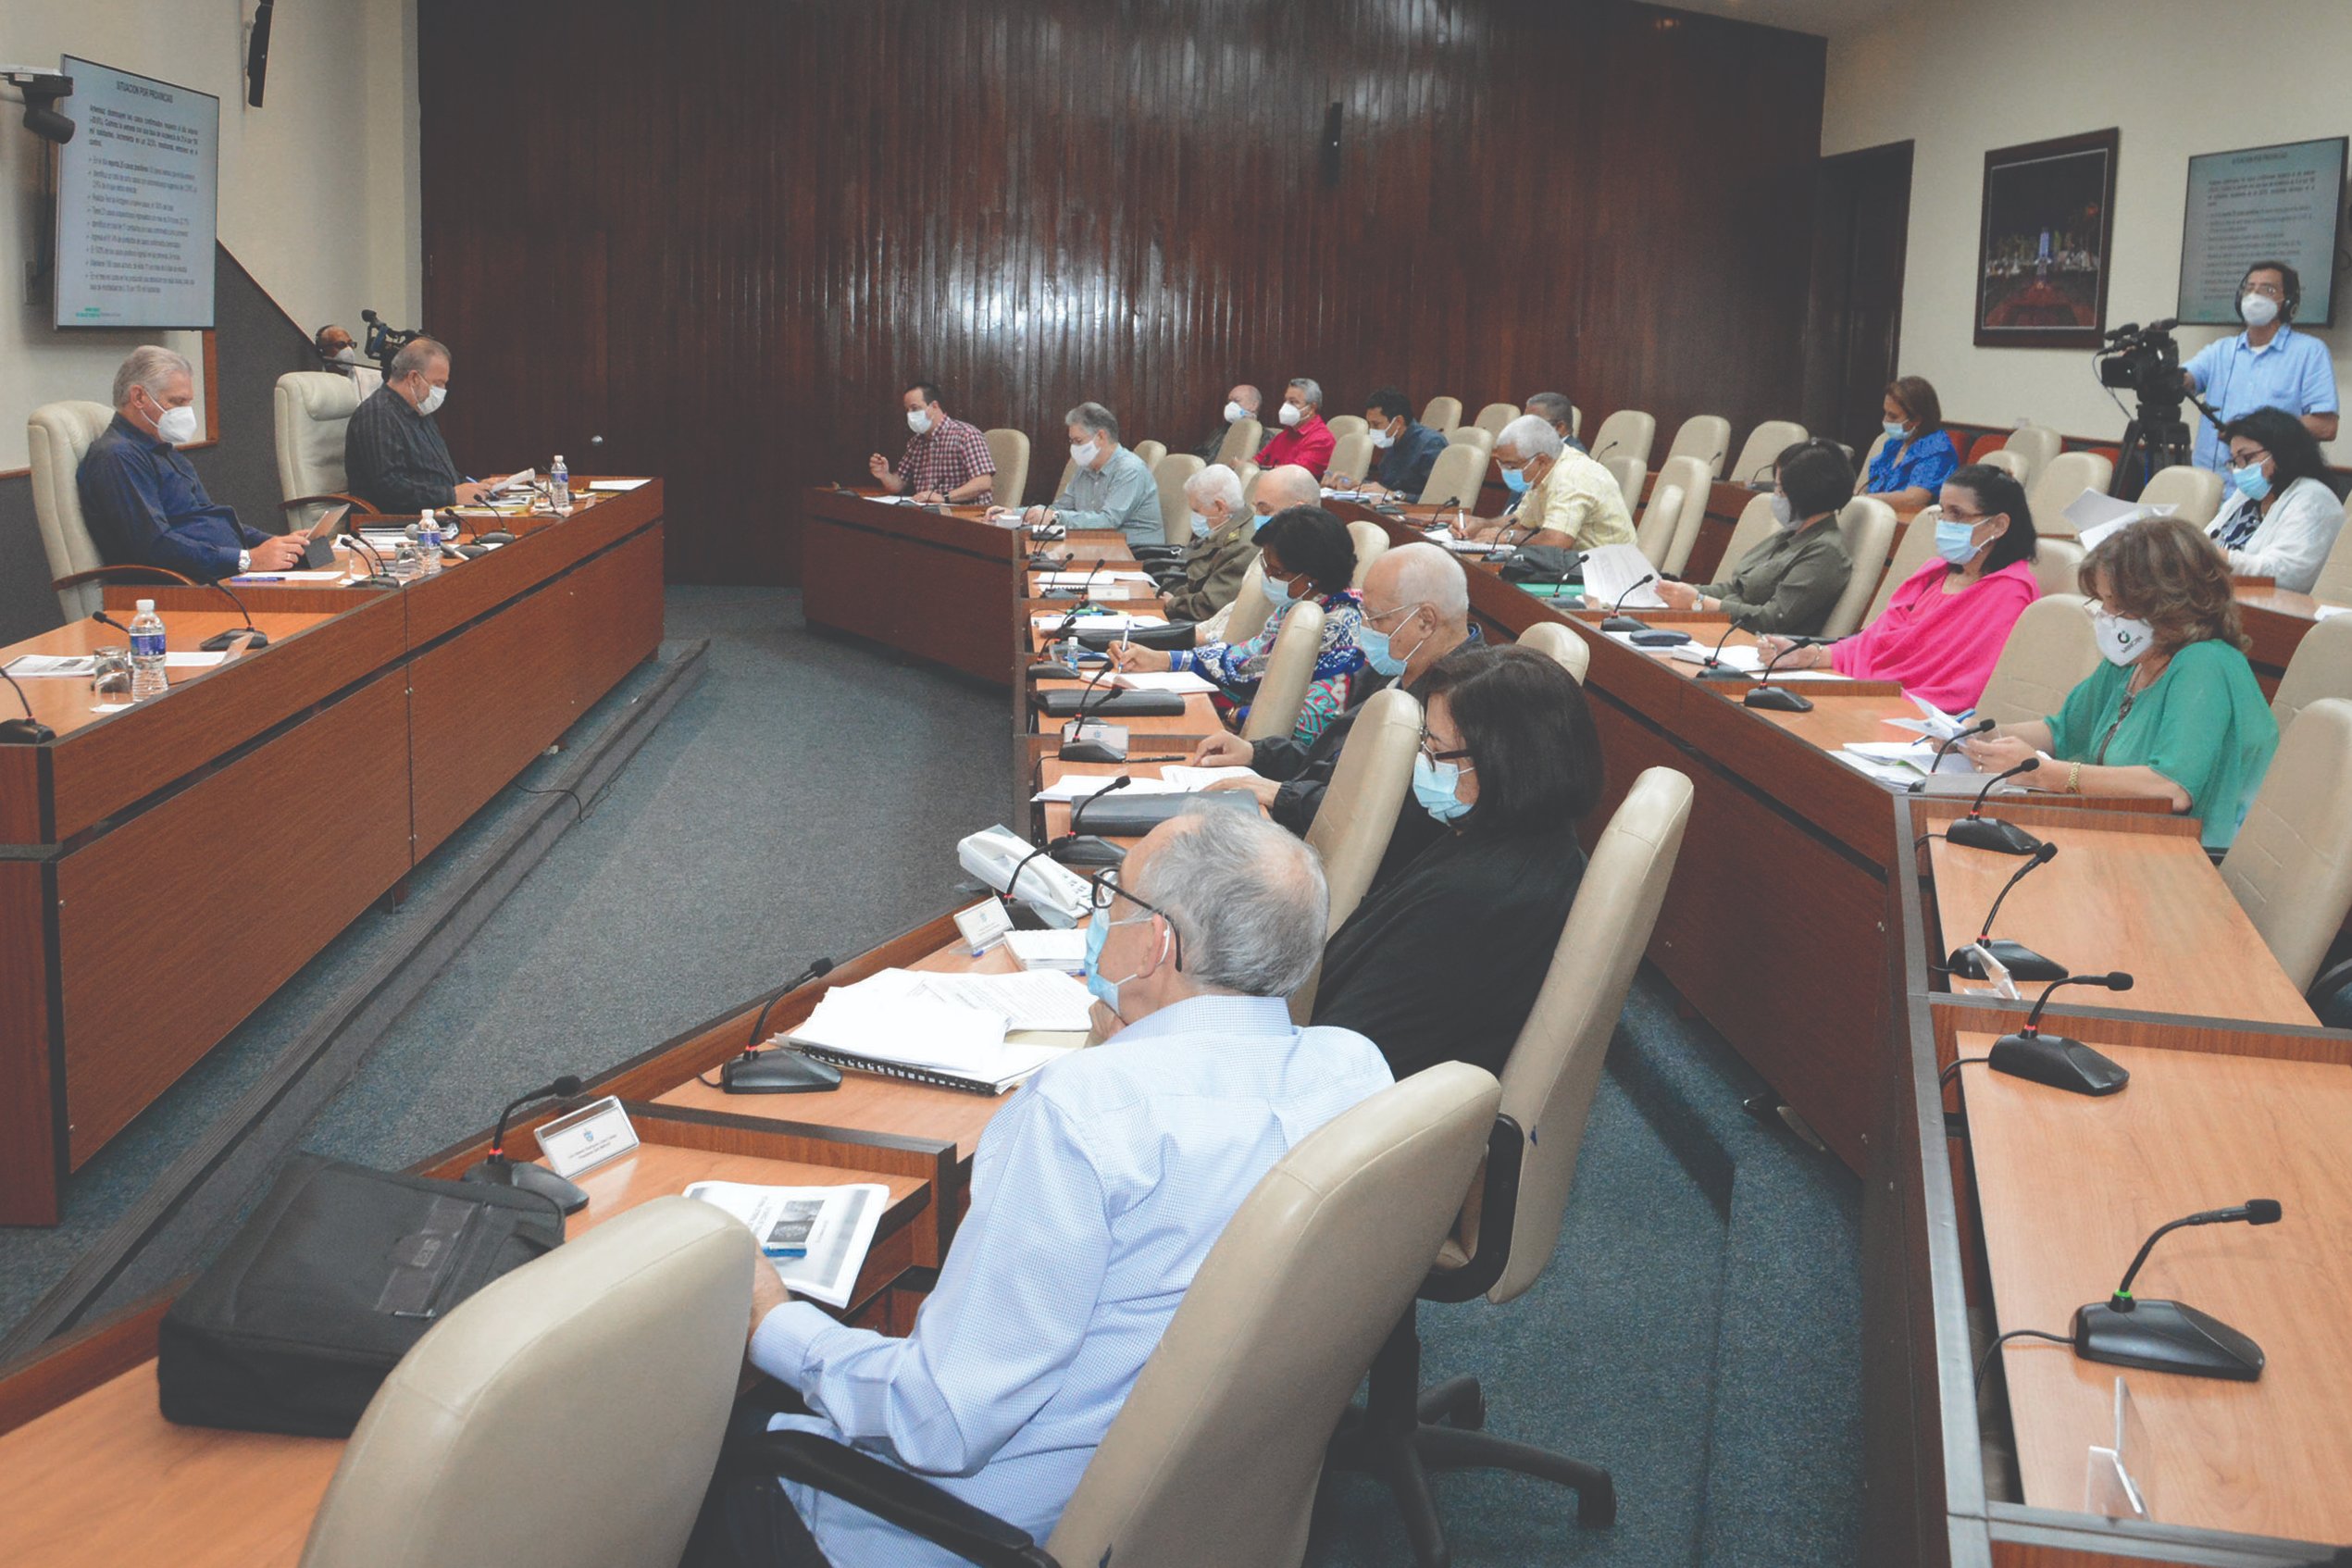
{"x":110,"y":675}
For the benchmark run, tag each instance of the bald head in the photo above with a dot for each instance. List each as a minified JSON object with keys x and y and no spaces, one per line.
{"x":1247,"y":397}
{"x":1420,"y":574}
{"x":1289,"y":485}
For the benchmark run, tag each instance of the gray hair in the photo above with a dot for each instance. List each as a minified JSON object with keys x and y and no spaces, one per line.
{"x":416,"y":353}
{"x":149,"y":366}
{"x":1246,"y":896}
{"x":1215,"y":483}
{"x":1094,"y":419}
{"x":1424,"y":574}
{"x":1286,"y":485}
{"x":1531,"y":437}
{"x":1309,"y":389}
{"x":1552,"y":408}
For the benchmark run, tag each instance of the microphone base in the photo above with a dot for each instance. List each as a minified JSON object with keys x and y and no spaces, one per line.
{"x":1724,"y":672}
{"x":494,"y":536}
{"x":2021,"y":962}
{"x":776,"y":1072}
{"x":1778,"y":699}
{"x":1091,"y":741}
{"x":1623,"y":623}
{"x":1991,"y":833}
{"x":499,"y":1171}
{"x":380,"y":580}
{"x":25,"y":732}
{"x":1087,"y":850}
{"x":2166,"y":1337}
{"x":219,"y":641}
{"x":2058,"y":1061}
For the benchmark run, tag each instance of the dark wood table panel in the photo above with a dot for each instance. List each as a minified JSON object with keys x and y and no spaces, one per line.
{"x":614,"y":617}
{"x":29,"y":1143}
{"x":544,"y":545}
{"x":177,"y":924}
{"x":934,"y":585}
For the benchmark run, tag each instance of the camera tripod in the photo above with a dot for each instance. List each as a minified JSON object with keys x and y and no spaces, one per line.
{"x":2157,"y":438}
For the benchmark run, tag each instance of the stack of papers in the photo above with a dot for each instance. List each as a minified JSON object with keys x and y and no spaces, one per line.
{"x":2096,"y":515}
{"x":1173,"y":680}
{"x":1099,"y":620}
{"x":1610,"y":573}
{"x":1079,"y":786}
{"x":1089,"y":579}
{"x":616,"y":486}
{"x":1061,"y":950}
{"x":36,"y":667}
{"x":944,"y":1029}
{"x":1747,"y":660}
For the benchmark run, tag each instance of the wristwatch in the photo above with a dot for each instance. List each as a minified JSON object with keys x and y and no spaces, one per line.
{"x":244,"y":562}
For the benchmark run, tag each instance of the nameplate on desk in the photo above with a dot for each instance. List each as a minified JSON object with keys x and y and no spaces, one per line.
{"x":587,"y":1138}
{"x":983,"y":924}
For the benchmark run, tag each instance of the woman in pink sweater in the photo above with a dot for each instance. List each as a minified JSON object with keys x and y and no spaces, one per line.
{"x":1945,"y":626}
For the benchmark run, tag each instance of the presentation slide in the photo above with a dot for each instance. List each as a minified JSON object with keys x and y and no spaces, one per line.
{"x":2261,"y":204}
{"x":137,"y":202}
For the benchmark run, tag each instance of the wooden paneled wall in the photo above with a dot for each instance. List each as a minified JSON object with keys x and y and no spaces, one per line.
{"x":724,"y":235}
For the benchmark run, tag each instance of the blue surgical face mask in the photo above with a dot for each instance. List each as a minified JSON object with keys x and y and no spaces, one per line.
{"x":1894,"y":429}
{"x":1956,"y":542}
{"x":1377,"y":652}
{"x":1434,"y":784}
{"x":1200,"y":526}
{"x":1098,"y":932}
{"x":1784,"y":515}
{"x":1278,"y":592}
{"x":1517,"y":479}
{"x":2251,"y":481}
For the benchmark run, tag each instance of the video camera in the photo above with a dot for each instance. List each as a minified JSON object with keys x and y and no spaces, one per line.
{"x":384,"y":342}
{"x":2146,"y":360}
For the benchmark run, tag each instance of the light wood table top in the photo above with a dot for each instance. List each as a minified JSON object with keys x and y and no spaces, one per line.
{"x":2070,"y":1186}
{"x":65,"y":703}
{"x":2146,"y":902}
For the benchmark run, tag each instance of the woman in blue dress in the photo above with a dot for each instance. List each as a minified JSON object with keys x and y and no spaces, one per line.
{"x":1919,"y":455}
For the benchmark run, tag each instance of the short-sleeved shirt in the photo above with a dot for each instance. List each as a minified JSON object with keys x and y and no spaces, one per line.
{"x":1120,"y":494}
{"x":1308,"y":443}
{"x":1925,"y":462}
{"x":2203,"y":724}
{"x":946,"y":457}
{"x":1579,"y":498}
{"x":2292,"y":371}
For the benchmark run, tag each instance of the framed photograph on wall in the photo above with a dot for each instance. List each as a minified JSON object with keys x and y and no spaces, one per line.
{"x":2043,"y":242}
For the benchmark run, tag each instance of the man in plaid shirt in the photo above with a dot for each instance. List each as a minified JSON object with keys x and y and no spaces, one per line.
{"x":948,"y":460}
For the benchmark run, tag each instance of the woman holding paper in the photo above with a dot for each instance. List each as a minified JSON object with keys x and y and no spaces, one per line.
{"x":2280,"y":518}
{"x":1946,"y":624}
{"x":2175,"y":714}
{"x":1791,"y":581}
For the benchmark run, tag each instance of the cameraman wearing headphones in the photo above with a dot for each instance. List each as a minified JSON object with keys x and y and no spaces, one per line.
{"x":2268,"y":365}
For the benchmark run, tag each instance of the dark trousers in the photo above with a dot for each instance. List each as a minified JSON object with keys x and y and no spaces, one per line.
{"x":747,"y":1522}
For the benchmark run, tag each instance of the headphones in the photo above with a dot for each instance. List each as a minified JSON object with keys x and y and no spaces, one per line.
{"x":2287,"y":275}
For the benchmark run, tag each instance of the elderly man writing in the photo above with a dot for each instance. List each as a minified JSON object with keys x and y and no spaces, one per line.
{"x":393,"y":455}
{"x":1220,"y":553}
{"x":1566,"y":498}
{"x":1278,"y":491}
{"x":1096,"y":1192}
{"x":1112,"y":487}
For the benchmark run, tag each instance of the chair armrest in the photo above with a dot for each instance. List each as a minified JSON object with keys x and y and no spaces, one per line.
{"x":333,"y":495}
{"x":893,"y":1495}
{"x":1497,"y":1204}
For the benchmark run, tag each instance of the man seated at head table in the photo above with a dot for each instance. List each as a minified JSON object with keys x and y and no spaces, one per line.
{"x":1111,"y":487}
{"x":2174,"y":713}
{"x":1566,"y":500}
{"x":1278,"y":491}
{"x":1407,"y":449}
{"x":1791,"y":581}
{"x":140,"y":496}
{"x":394,"y":456}
{"x":1442,"y":961}
{"x":1416,"y":610}
{"x":1305,"y":439}
{"x":1945,"y":627}
{"x":1554,"y":409}
{"x":1217,"y":559}
{"x":1242,"y":402}
{"x":1096,"y":1193}
{"x":946,"y":460}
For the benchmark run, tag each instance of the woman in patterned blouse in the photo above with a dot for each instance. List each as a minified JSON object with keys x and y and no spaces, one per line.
{"x":1919,"y":455}
{"x":1305,"y":553}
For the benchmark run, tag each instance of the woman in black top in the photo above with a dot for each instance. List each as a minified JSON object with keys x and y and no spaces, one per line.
{"x":1442,"y":962}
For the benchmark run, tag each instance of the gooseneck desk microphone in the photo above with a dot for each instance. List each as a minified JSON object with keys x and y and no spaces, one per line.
{"x":497,"y":1170}
{"x":1620,"y":621}
{"x":1977,"y":831}
{"x":2021,"y":962}
{"x":2055,"y":1059}
{"x":2173,"y":1335}
{"x":779,"y":1071}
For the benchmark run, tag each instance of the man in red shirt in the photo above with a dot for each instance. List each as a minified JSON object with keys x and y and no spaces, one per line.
{"x":1305,"y":439}
{"x":948,"y":460}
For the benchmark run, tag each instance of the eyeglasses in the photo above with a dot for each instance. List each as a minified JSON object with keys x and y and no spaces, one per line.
{"x":1971,"y":519}
{"x":1398,"y":610}
{"x":1435,"y":757}
{"x":2268,"y":290}
{"x":2252,"y":459}
{"x":1104,"y":888}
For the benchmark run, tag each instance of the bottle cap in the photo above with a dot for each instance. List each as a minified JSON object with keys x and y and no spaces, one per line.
{"x":427,"y":516}
{"x":559,"y":460}
{"x":147,"y":607}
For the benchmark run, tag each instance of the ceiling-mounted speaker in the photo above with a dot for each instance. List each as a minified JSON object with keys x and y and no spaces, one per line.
{"x":1331,"y":145}
{"x":257,"y":52}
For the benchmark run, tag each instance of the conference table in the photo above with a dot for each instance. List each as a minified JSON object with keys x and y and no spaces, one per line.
{"x":1802,"y":880}
{"x":165,"y":866}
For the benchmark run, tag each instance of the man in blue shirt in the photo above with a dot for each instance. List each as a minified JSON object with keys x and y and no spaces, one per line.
{"x":1408,"y":449}
{"x":1097,"y":1191}
{"x":140,"y":496}
{"x":2268,"y":365}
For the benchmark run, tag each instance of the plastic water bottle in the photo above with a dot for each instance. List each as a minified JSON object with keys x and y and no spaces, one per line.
{"x":147,"y":679}
{"x":559,"y":485}
{"x":428,"y":543}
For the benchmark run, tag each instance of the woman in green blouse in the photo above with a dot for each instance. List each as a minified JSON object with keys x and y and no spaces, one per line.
{"x":2174,"y":713}
{"x":1789,"y":584}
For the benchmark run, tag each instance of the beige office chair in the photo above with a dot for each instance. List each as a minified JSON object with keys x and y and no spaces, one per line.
{"x":1352,"y":457}
{"x":1561,"y":645}
{"x":1626,"y":433}
{"x":1009,"y":450}
{"x":1441,"y":413}
{"x":2009,"y":463}
{"x":1755,"y":526}
{"x":1245,"y":616}
{"x":2333,"y":585}
{"x":1630,"y":475}
{"x":1244,"y":439}
{"x":2050,"y":651}
{"x":59,"y":435}
{"x":1175,"y":471}
{"x":2291,"y":862}
{"x":1152,"y":452}
{"x":1282,"y":693}
{"x":1342,"y":426}
{"x":1216,"y":1453}
{"x":1912,"y":551}
{"x":2321,"y":666}
{"x":2195,"y":492}
{"x":1868,"y":528}
{"x":1575,"y":422}
{"x":313,"y":408}
{"x":1359,"y":810}
{"x":2058,"y":565}
{"x":1061,"y":487}
{"x":1697,"y":484}
{"x":2058,"y":483}
{"x":1372,"y":542}
{"x":1494,"y":415}
{"x":1706,"y":437}
{"x":1247,"y":472}
{"x":1654,"y":531}
{"x":1762,"y":449}
{"x":1472,"y":435}
{"x":1456,"y":476}
{"x":1509,"y":1228}
{"x":1870,"y":455}
{"x":2037,"y":447}
{"x":569,"y":1413}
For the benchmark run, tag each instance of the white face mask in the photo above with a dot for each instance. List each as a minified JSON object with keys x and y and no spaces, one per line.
{"x":1292,"y":413}
{"x":918,"y":421}
{"x":1382,"y":441}
{"x":434,"y":397}
{"x":347,"y":355}
{"x":1784,"y":515}
{"x":177,"y":426}
{"x":2258,"y":310}
{"x":1234,"y":414}
{"x":2123,"y":639}
{"x":1082,"y":452}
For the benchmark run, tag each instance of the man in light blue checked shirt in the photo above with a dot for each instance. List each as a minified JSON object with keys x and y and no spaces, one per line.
{"x":1096,"y":1193}
{"x":2268,"y":365}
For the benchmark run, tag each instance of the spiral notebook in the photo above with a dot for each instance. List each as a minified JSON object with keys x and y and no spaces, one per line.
{"x":890,"y":1025}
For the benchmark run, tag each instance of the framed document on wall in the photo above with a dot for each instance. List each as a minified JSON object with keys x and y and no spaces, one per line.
{"x":2043,"y":240}
{"x":2261,"y":204}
